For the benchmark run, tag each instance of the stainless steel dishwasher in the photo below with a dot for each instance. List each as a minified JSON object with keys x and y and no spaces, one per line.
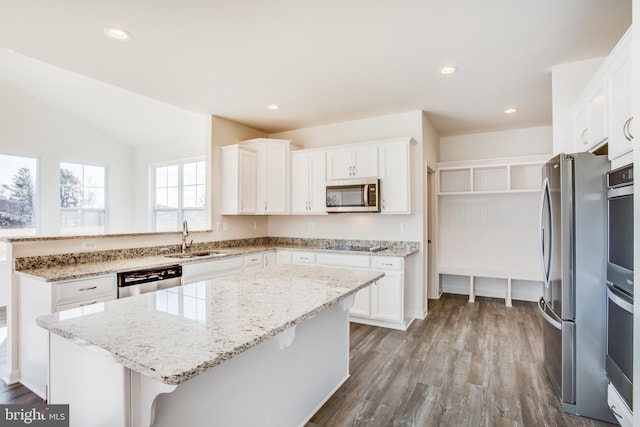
{"x":137,"y":282}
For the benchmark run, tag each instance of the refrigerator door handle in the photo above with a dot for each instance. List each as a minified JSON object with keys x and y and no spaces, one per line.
{"x":542,"y":308}
{"x":544,"y":197}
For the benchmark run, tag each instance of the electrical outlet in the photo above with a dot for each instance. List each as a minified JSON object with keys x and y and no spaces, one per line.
{"x":88,"y":246}
{"x":312,"y":225}
{"x":403,"y":226}
{"x":255,"y":225}
{"x":218,"y":226}
{"x":225,"y":226}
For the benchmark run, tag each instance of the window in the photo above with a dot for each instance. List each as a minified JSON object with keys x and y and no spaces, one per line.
{"x":17,"y":198}
{"x":82,"y":199}
{"x":179,"y":195}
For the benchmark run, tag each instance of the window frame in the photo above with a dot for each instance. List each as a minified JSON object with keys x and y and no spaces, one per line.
{"x":180,"y":210}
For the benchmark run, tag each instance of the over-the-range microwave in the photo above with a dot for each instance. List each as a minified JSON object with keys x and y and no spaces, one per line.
{"x":353,"y":195}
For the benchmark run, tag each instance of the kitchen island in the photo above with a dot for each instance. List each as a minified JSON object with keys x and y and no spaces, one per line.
{"x":258,"y":348}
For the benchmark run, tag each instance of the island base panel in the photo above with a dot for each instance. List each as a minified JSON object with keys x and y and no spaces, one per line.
{"x":265,"y":385}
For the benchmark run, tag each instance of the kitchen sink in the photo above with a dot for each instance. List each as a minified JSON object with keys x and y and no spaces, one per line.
{"x":195,"y":254}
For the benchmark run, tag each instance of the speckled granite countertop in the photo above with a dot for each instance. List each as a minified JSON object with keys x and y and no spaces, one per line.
{"x":183,"y":331}
{"x":79,"y":270}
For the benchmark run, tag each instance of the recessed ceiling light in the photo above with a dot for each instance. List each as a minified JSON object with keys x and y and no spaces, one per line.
{"x":448,"y":70}
{"x":510,"y":110}
{"x":272,"y":107}
{"x":117,"y":33}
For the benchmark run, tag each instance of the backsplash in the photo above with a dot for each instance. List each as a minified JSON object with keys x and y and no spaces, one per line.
{"x":59,"y":260}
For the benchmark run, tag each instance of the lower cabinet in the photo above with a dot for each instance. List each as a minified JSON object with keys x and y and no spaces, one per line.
{"x":382,"y":303}
{"x":38,"y":298}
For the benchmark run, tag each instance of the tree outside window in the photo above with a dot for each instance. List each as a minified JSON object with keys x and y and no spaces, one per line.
{"x":82,"y":199}
{"x":179,"y":191}
{"x":17,"y":198}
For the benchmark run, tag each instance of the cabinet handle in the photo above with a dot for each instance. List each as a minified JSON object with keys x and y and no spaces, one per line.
{"x":253,"y":259}
{"x":241,"y":205}
{"x":615,"y":412}
{"x":265,"y":206}
{"x":88,"y":303}
{"x":583,"y":137}
{"x":626,"y":130}
{"x":304,"y":258}
{"x":387,"y":264}
{"x":266,"y":261}
{"x":88,"y":289}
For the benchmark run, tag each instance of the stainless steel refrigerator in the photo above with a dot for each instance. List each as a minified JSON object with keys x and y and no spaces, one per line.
{"x":573,"y":252}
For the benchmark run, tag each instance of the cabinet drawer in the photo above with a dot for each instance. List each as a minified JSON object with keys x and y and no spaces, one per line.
{"x":253,"y":260}
{"x":88,"y":304}
{"x":83,"y":290}
{"x":337,"y":260}
{"x":303,"y":258}
{"x":386,"y":263}
{"x":207,"y":268}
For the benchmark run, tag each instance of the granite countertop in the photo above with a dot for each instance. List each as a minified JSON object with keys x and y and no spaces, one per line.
{"x":175,"y":334}
{"x":79,"y":270}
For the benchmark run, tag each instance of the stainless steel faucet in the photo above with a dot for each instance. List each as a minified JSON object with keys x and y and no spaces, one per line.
{"x":185,"y":234}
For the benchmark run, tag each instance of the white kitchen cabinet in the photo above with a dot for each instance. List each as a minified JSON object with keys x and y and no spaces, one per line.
{"x":303,"y":257}
{"x":308,"y":178}
{"x":273,"y":175}
{"x":590,"y":118}
{"x":38,"y":298}
{"x":395,"y":177}
{"x":362,"y":303}
{"x":210,"y":269}
{"x":620,"y":115}
{"x":253,"y":262}
{"x":239,"y":179}
{"x":283,"y":257}
{"x":269,"y":259}
{"x":357,"y":161}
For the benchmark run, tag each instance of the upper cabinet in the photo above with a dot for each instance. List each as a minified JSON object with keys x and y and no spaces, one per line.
{"x":273,"y":172}
{"x":590,"y":127}
{"x":620,"y":118}
{"x":255,"y":176}
{"x":395,"y":176}
{"x":602,"y":113}
{"x":353,"y":162}
{"x":308,"y":178}
{"x":239,"y":192}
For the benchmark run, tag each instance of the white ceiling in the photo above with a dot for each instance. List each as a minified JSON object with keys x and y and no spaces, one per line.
{"x":321,"y":61}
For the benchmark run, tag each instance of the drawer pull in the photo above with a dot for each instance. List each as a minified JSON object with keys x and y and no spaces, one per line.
{"x":387,"y":264}
{"x":254,"y":259}
{"x":88,"y":289}
{"x":88,"y":303}
{"x":615,"y":411}
{"x":304,"y":257}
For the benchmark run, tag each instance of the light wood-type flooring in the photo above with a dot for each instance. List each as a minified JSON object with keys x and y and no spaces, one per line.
{"x":467,"y":364}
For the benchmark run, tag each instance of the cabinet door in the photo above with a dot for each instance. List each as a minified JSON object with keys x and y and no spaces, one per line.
{"x":339,"y":164}
{"x":620,"y":135}
{"x":317,"y":183}
{"x":361,"y":304}
{"x":365,"y":161}
{"x":247,"y":181}
{"x":395,"y":178}
{"x":386,"y":299}
{"x":269,"y":259}
{"x":581,"y":129}
{"x":300,"y":183}
{"x":275,"y":179}
{"x":283,"y":257}
{"x":597,"y":116}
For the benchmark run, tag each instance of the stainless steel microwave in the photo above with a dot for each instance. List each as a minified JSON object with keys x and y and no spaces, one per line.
{"x":353,"y":195}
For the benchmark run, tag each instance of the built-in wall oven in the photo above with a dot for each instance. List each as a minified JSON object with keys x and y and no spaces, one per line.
{"x":619,"y":359}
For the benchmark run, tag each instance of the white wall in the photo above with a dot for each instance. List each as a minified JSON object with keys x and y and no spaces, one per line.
{"x":492,"y":145}
{"x":567,"y":81}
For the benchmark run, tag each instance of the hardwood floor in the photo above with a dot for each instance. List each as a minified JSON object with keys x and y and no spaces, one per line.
{"x":468,"y":364}
{"x":14,"y":393}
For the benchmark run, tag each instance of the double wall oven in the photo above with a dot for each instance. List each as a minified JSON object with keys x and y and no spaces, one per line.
{"x":619,"y":358}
